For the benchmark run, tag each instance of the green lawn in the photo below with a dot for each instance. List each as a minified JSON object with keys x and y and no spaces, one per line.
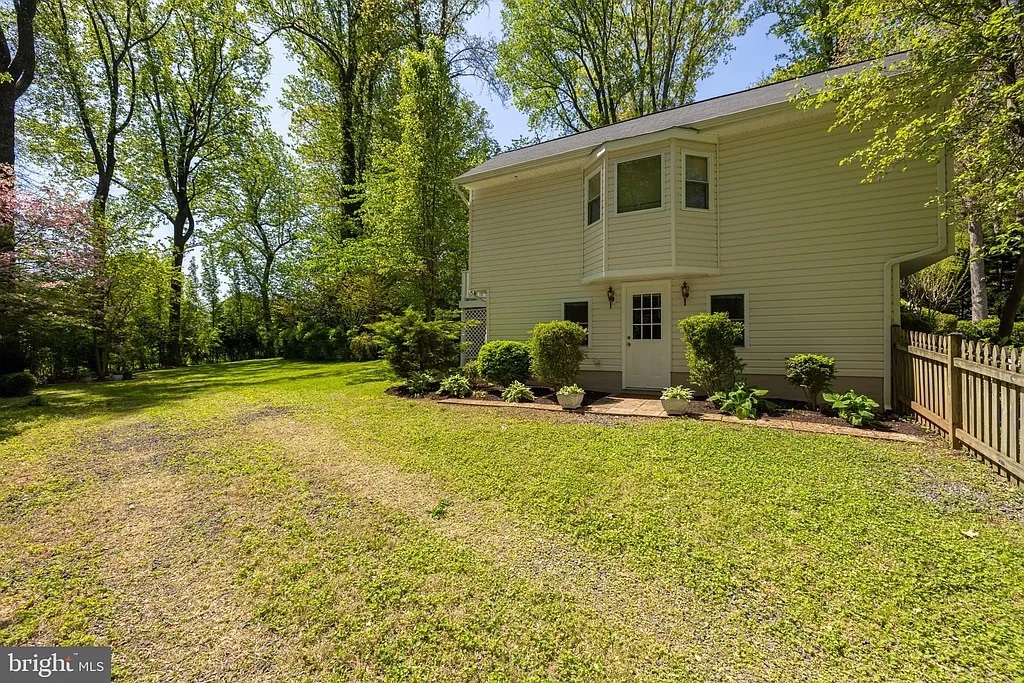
{"x":282,"y":521}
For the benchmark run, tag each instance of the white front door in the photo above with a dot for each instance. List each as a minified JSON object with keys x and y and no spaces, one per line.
{"x":648,"y":342}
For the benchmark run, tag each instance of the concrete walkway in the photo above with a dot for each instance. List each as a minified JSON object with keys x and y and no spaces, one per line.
{"x":635,"y":406}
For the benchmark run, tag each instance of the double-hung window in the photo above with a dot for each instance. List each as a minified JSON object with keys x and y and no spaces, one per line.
{"x":579,"y":313}
{"x":734,"y":306}
{"x":594,"y":198}
{"x":638,"y":184}
{"x":697,"y":182}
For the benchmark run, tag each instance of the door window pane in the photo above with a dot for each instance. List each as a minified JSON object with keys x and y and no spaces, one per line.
{"x":647,"y":316}
{"x":638,"y":184}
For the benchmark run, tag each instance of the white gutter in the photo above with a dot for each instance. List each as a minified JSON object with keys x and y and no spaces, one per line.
{"x":891,"y":270}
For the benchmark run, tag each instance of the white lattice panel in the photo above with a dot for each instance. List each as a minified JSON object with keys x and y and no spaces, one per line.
{"x":474,"y":336}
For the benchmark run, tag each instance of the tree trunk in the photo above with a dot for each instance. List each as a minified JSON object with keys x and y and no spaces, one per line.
{"x":12,"y":359}
{"x":181,"y":234}
{"x":265,"y":300}
{"x":976,"y":267}
{"x":1013,"y":299}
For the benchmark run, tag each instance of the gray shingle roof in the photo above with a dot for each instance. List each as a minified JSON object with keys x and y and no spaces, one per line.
{"x":689,"y":115}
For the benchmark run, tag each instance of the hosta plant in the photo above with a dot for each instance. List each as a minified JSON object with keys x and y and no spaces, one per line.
{"x":571,"y":390}
{"x":456,"y":385}
{"x":744,"y":402}
{"x":420,"y":383}
{"x":517,"y":392}
{"x":679,"y":393}
{"x":857,"y":409}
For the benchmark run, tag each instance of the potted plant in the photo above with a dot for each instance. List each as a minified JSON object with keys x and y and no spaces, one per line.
{"x":674,"y":400}
{"x":570,"y":397}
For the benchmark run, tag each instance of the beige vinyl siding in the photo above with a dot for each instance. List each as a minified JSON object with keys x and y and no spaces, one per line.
{"x":696,"y":230}
{"x":526,"y":251}
{"x":640,"y":239}
{"x":808,"y":240}
{"x":593,"y":249}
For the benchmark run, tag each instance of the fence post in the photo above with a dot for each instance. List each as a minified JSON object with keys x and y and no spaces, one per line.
{"x":953,"y":389}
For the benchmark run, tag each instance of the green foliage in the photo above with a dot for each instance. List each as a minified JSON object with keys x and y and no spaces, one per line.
{"x":571,"y":390}
{"x":857,"y":409}
{"x":680,"y":393}
{"x":711,"y":350}
{"x":411,"y":343}
{"x":574,"y":66}
{"x":420,"y":383}
{"x":441,"y":509}
{"x":504,"y":362}
{"x":455,"y":385}
{"x":799,"y":24}
{"x":17,"y":384}
{"x":811,"y":372}
{"x":312,"y":341}
{"x":517,"y":392}
{"x":988,"y":331}
{"x":556,"y":352}
{"x":744,"y":402}
{"x":362,"y":346}
{"x":471,"y":371}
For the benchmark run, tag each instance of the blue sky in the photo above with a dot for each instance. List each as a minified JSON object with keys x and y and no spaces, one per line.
{"x":753,"y":57}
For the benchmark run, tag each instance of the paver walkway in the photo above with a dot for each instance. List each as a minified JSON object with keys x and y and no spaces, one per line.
{"x":636,"y":406}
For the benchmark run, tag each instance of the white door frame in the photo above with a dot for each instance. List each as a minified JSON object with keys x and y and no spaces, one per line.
{"x":666,"y":322}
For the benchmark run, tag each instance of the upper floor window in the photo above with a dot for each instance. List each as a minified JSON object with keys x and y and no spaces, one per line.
{"x":594,"y":198}
{"x":697,"y":182}
{"x":734,"y":306}
{"x":638,"y":184}
{"x":579,"y":313}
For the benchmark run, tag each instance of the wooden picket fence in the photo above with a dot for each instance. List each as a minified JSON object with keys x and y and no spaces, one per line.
{"x":971,"y":391}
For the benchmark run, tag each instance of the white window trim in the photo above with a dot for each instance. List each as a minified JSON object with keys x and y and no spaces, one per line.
{"x":711,"y":181}
{"x":633,"y":157}
{"x":590,"y":313}
{"x":746,"y":310}
{"x":586,"y":198}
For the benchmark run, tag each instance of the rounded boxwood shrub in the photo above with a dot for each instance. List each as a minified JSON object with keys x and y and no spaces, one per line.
{"x":556,"y":351}
{"x":711,"y":350}
{"x":17,"y":384}
{"x":811,"y":372}
{"x":504,"y":362}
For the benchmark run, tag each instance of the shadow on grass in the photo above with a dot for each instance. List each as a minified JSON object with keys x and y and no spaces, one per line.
{"x":155,"y":387}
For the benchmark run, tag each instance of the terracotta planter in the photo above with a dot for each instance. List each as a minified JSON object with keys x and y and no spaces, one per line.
{"x":675,"y":406}
{"x":570,"y":401}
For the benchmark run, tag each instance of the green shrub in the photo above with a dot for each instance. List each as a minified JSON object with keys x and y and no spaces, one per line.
{"x":420,"y":383}
{"x":362,"y":346}
{"x":556,"y":351}
{"x":677,"y":393}
{"x":504,"y":362}
{"x":744,"y":402}
{"x":857,"y":409}
{"x":571,"y":390}
{"x":921,"y":319}
{"x":711,"y":350}
{"x":17,"y":384}
{"x":471,"y":371}
{"x":988,"y":331}
{"x":455,"y":385}
{"x":411,"y":343}
{"x":517,"y":392}
{"x":811,"y":372}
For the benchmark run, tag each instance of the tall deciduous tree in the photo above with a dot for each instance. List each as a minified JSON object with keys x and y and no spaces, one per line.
{"x":90,"y":92}
{"x":813,"y":42}
{"x":202,"y":81}
{"x":573,"y":65}
{"x":958,"y":91}
{"x":417,"y":225}
{"x":262,"y":213}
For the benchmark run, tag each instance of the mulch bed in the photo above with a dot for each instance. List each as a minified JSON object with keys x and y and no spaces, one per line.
{"x":795,"y":411}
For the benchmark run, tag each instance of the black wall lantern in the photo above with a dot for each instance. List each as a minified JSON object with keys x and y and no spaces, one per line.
{"x":685,"y":291}
{"x":611,"y":297}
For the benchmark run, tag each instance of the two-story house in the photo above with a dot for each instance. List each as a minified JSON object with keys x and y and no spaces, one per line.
{"x":736,"y":204}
